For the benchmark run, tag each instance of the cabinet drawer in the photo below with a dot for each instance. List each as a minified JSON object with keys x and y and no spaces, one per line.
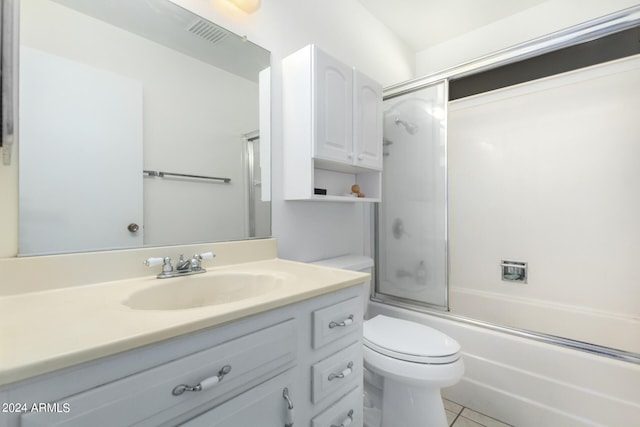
{"x":147,"y":394}
{"x":336,"y":321}
{"x":333,"y":375}
{"x":346,"y":411}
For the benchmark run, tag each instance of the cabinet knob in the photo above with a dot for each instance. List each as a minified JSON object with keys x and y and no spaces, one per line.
{"x":133,"y":227}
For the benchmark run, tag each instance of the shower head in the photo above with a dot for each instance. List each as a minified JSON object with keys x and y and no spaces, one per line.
{"x":411,"y":128}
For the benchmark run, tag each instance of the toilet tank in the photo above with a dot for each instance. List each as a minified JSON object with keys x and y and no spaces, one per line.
{"x":359,"y":263}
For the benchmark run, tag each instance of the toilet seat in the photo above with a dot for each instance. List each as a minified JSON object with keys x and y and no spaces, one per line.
{"x":409,"y":341}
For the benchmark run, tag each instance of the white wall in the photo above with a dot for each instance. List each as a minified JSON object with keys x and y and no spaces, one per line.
{"x":344,"y":29}
{"x":534,"y":22}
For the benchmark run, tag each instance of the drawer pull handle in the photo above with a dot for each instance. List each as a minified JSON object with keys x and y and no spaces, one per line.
{"x":345,"y":373}
{"x":204,"y":384}
{"x":285,"y":395}
{"x":345,"y":322}
{"x":347,"y":421}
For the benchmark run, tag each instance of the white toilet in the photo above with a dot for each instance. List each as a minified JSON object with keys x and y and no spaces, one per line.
{"x":407,"y":364}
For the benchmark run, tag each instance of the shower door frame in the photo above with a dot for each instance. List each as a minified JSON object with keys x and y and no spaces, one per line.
{"x":581,"y":33}
{"x":396,"y":300}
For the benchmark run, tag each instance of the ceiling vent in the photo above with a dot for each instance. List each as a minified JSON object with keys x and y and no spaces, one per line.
{"x":208,"y":31}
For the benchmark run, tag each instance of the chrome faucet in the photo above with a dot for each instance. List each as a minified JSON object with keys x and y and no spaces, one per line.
{"x":184,"y":267}
{"x":182,"y":264}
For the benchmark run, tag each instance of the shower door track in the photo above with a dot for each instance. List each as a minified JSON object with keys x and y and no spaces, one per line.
{"x":595,"y":349}
{"x":597,"y":28}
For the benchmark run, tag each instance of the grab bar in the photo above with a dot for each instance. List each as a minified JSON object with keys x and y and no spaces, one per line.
{"x":160,"y":174}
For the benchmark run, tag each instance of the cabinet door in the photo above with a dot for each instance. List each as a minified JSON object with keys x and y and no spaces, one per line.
{"x":367,"y":134}
{"x":263,"y":405}
{"x":333,"y":99}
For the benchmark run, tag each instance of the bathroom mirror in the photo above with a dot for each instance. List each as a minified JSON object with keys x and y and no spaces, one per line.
{"x":140,"y":125}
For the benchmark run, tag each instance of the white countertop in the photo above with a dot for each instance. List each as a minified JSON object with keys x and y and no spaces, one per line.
{"x":53,"y":329}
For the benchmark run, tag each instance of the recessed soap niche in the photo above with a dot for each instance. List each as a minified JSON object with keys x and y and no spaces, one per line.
{"x":514,"y":271}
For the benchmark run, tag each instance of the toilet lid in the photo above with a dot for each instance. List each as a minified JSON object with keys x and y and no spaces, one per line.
{"x":409,"y":341}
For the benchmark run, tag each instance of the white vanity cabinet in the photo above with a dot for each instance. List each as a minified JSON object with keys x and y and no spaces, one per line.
{"x":296,"y":347}
{"x":332,"y":128}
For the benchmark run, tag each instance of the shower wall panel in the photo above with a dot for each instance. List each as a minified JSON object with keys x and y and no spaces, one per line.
{"x":548,"y":173}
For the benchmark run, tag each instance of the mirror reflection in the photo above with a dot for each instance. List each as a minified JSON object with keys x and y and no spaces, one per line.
{"x":139,"y":126}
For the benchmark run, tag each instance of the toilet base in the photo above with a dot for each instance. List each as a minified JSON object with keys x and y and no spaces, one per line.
{"x":390,"y":403}
{"x":411,"y":406}
{"x":372,"y":417}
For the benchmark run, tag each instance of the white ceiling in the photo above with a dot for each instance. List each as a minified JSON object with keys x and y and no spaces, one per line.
{"x":424,"y":23}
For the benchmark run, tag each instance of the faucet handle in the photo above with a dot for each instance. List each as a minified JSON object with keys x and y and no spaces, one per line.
{"x":150,"y":262}
{"x":166,"y":266}
{"x":166,"y":263}
{"x":196,"y":259}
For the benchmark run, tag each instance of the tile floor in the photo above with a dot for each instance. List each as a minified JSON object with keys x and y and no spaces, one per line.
{"x":459,"y":416}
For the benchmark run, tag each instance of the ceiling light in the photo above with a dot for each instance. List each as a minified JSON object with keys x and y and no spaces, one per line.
{"x":248,"y":6}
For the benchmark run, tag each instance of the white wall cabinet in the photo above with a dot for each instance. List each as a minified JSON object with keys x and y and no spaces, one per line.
{"x":296,"y":347}
{"x":332,"y":128}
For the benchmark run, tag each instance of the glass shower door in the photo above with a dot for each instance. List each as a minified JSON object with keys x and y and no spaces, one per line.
{"x":412,"y":217}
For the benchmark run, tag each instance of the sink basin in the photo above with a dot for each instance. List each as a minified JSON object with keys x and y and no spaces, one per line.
{"x":203,"y":290}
